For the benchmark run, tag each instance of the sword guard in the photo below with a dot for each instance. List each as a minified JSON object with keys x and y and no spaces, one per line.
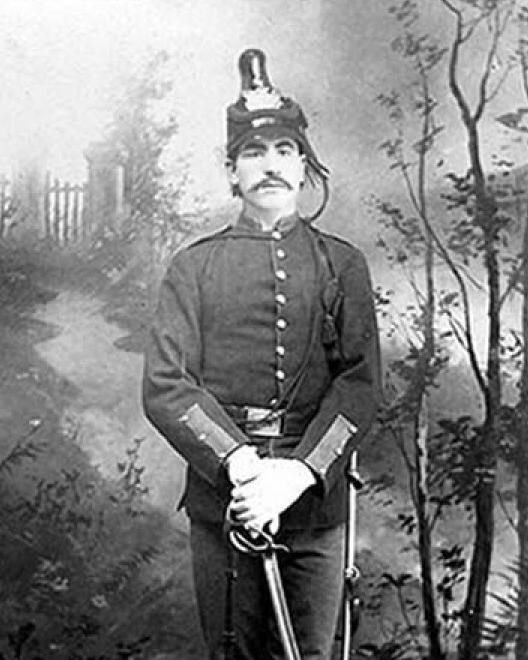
{"x":253,"y":542}
{"x":250,"y":541}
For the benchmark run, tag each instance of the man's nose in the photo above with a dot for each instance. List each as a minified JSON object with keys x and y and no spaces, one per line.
{"x":271,"y":164}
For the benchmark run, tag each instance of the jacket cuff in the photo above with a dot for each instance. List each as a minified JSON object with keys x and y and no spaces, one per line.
{"x":208,"y":432}
{"x":331,"y":447}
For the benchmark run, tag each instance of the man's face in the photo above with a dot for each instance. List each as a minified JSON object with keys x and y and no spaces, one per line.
{"x":269,"y":173}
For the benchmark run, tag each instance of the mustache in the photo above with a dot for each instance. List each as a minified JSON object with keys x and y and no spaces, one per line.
{"x":270,"y":179}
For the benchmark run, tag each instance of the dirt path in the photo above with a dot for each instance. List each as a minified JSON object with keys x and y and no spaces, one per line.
{"x":107,"y":408}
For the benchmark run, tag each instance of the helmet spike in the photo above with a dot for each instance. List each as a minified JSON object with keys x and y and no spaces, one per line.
{"x":253,"y":73}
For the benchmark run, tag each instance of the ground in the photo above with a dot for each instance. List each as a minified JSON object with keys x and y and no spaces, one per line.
{"x":71,"y":333}
{"x":66,"y":378}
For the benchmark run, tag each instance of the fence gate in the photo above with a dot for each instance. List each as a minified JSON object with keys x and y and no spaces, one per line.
{"x":65,"y":219}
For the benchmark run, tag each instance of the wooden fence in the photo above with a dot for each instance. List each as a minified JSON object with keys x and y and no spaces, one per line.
{"x":6,"y":205}
{"x":65,"y":217}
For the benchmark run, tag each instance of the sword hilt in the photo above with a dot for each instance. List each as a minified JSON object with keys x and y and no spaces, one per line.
{"x":250,"y":541}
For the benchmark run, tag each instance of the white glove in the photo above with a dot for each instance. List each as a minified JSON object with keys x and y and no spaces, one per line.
{"x":278,"y":484}
{"x":243,"y":465}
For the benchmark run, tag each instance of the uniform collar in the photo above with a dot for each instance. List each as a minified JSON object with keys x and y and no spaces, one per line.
{"x":284,"y":225}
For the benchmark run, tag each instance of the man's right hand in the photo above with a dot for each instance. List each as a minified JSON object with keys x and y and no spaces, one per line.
{"x":243,"y":465}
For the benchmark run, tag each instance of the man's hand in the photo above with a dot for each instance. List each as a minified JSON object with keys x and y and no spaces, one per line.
{"x":243,"y":465}
{"x":277,"y":485}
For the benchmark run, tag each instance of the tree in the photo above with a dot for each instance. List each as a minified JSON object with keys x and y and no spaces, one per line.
{"x":140,"y":131}
{"x":471,"y":461}
{"x":519,"y":282}
{"x":487,"y":224}
{"x":412,"y":408}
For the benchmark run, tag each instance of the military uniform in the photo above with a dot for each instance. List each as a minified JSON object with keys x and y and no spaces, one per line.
{"x":266,"y":338}
{"x":240,"y":313}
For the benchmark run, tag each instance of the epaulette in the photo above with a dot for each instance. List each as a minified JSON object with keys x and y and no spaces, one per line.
{"x":210,"y":237}
{"x":325,"y":235}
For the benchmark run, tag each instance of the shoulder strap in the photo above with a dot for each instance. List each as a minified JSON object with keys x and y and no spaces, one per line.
{"x":331,"y":298}
{"x":219,"y":233}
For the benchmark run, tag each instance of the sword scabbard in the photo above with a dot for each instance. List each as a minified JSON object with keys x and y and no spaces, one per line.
{"x":280,"y":605}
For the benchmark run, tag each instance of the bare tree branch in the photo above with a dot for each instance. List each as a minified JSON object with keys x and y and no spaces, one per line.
{"x":500,"y":83}
{"x":514,"y":280}
{"x":505,"y":511}
{"x":469,"y":31}
{"x":458,"y":332}
{"x":498,"y":30}
{"x":453,"y":63}
{"x":468,"y":331}
{"x":523,"y":53}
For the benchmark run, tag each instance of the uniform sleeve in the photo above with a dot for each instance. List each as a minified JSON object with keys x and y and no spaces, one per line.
{"x":174,"y":399}
{"x":348,"y":409}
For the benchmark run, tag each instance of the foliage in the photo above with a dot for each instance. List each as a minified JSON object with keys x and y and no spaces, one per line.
{"x":450,"y":463}
{"x":90,"y":568}
{"x":138,"y":136}
{"x":79,"y":562}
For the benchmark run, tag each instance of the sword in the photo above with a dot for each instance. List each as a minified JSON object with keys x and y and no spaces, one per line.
{"x":262,"y":543}
{"x":351,"y":603}
{"x":280,"y":605}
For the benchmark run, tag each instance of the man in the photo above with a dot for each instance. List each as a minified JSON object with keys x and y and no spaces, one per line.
{"x":262,"y":371}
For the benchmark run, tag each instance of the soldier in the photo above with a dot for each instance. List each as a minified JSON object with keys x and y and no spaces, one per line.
{"x":262,"y":371}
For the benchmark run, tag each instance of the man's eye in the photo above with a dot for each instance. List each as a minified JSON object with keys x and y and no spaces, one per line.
{"x":251,"y":153}
{"x":285,"y":149}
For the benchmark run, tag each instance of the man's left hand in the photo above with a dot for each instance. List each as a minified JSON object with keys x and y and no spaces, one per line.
{"x":279,"y":484}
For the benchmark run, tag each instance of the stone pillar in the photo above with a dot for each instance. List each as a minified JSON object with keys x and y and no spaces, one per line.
{"x":27,"y":187}
{"x":105,"y":188}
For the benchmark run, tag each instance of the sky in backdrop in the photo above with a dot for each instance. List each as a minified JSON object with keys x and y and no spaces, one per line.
{"x":64,"y":63}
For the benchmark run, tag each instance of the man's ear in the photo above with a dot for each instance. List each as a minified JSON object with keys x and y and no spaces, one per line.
{"x":231,"y":171}
{"x":232,"y":177}
{"x":305,"y":170}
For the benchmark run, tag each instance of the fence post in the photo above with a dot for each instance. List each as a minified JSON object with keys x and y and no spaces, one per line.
{"x":86,"y":211}
{"x":57,"y":219}
{"x":75,"y":212}
{"x":47,"y":205}
{"x":66,"y":213}
{"x":3,"y":187}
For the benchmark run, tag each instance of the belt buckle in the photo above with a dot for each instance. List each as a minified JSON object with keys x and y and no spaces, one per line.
{"x":270,"y":429}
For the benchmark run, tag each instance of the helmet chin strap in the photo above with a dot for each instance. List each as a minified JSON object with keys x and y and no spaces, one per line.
{"x":322,"y":177}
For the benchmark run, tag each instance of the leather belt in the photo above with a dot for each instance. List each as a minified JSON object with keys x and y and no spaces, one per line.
{"x":265,"y":422}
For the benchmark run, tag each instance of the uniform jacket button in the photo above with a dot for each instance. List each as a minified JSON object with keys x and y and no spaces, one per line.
{"x":280,"y":274}
{"x":276,"y":235}
{"x":280,"y":253}
{"x":280,"y":374}
{"x":280,"y":298}
{"x":281,"y":324}
{"x":280,"y":350}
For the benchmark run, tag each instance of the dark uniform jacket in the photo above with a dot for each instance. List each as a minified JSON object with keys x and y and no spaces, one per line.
{"x":246,"y":318}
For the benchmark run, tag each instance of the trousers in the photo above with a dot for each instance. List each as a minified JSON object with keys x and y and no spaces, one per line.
{"x":312,"y":575}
